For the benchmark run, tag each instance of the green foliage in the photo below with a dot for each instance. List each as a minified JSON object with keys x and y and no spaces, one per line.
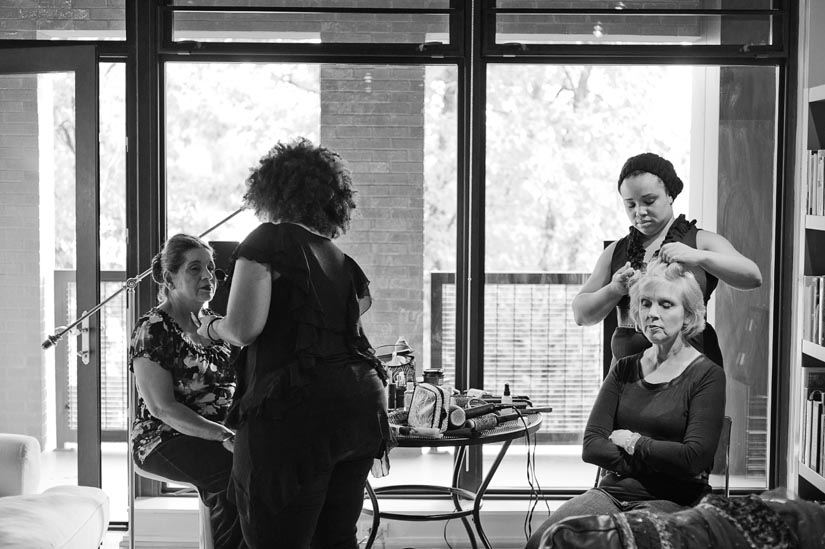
{"x":556,"y":139}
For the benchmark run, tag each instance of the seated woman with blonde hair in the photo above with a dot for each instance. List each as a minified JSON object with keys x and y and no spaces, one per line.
{"x":656,"y":422}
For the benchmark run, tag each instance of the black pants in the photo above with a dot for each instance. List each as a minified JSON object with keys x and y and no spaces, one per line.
{"x":323,"y":516}
{"x":300,"y":466}
{"x":207,"y":465}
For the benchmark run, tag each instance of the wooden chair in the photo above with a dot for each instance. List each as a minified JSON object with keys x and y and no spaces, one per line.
{"x":721,"y":460}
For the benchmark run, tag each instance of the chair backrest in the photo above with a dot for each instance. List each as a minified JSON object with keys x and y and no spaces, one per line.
{"x":19,"y":465}
{"x":721,"y":460}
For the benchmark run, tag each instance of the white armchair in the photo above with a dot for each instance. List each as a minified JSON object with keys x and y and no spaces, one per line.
{"x":68,"y":517}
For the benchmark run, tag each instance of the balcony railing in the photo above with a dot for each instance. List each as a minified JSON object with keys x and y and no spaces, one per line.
{"x":531,"y":342}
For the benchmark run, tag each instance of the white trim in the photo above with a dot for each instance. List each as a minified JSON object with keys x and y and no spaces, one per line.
{"x":704,"y":147}
{"x":611,"y":39}
{"x":81,"y":34}
{"x":273,"y":37}
{"x":704,"y":155}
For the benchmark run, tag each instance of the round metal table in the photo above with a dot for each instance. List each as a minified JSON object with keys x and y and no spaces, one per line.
{"x":505,"y":432}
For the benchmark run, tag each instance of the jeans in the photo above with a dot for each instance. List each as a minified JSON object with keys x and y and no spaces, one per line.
{"x":598,"y":502}
{"x":207,"y":465}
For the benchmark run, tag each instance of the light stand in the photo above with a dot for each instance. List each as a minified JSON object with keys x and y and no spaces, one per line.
{"x":129,"y":286}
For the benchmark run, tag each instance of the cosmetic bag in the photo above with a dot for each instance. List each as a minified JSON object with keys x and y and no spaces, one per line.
{"x":430,"y":406}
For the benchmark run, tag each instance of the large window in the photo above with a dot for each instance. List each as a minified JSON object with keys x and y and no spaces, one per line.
{"x":396,"y":128}
{"x":550,"y":213}
{"x":485,"y":140}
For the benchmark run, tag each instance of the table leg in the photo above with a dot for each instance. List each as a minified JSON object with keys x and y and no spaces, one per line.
{"x":460,"y":456}
{"x":376,"y":515}
{"x":481,"y":491}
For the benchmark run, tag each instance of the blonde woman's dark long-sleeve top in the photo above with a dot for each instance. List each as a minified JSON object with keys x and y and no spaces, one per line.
{"x":680,"y":422}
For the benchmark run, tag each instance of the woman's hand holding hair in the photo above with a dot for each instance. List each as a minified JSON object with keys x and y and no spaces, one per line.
{"x":621,"y":278}
{"x":676,"y":252}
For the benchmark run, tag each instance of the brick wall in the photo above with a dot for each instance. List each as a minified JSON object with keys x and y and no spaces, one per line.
{"x":374,"y":117}
{"x":22,"y":19}
{"x":24,"y":366}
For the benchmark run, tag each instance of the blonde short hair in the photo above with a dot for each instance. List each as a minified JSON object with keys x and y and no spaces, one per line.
{"x":659,"y":272}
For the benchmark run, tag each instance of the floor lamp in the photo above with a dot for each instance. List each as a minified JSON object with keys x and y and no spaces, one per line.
{"x":129,"y":286}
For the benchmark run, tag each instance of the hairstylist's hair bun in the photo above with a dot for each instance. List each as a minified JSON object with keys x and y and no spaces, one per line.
{"x":653,"y":163}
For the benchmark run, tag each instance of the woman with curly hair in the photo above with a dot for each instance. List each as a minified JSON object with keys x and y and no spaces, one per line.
{"x":648,"y":185}
{"x":310,"y":408}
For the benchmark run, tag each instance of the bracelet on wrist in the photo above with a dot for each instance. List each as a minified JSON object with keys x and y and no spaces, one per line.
{"x":630,"y":444}
{"x":209,"y":331}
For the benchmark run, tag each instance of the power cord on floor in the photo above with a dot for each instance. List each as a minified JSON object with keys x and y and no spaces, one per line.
{"x":532,"y":478}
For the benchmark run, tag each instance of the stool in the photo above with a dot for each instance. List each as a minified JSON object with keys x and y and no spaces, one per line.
{"x":205,"y":535}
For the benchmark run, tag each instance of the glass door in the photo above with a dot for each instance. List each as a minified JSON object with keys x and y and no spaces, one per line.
{"x":50,"y":245}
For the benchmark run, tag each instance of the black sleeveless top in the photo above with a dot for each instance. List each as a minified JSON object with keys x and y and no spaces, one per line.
{"x":626,"y":340}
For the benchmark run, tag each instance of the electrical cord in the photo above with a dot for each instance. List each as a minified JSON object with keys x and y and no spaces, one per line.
{"x":532,"y":478}
{"x":449,"y":545}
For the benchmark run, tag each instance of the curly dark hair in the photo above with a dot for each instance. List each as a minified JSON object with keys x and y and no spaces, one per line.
{"x":302,"y":183}
{"x":653,"y":164}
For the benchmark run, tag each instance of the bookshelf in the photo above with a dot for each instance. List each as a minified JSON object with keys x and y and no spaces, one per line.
{"x":810,"y":466}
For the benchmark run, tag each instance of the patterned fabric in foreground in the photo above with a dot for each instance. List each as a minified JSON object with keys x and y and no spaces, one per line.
{"x":768,"y":521}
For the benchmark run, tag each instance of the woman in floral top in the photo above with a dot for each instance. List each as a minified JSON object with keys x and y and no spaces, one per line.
{"x":185,"y":385}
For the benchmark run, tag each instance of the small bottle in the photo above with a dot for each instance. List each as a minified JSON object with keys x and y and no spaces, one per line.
{"x":506,"y":398}
{"x":399,"y":397}
{"x":400,"y":387}
{"x":391,"y":396}
{"x":408,"y":394}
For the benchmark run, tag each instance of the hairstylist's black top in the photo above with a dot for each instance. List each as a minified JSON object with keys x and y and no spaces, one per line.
{"x":311,"y":373}
{"x":626,"y":340}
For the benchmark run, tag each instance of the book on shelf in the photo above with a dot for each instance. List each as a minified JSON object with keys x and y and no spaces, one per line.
{"x":812,"y":432}
{"x":812,"y":440}
{"x":813,"y":313}
{"x":816,"y":183}
{"x":820,"y":464}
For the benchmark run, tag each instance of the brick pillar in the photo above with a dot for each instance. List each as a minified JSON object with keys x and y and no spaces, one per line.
{"x":374,"y":117}
{"x":23,"y":283}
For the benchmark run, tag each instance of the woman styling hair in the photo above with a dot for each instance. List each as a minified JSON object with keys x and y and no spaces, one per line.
{"x":311,"y":408}
{"x":648,"y":185}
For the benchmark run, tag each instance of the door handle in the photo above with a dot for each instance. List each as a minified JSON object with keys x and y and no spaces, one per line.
{"x":84,"y":341}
